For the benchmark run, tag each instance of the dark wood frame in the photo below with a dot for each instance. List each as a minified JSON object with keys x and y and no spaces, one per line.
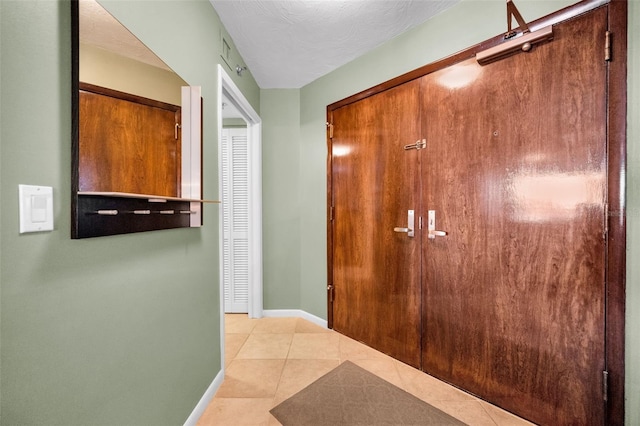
{"x":88,"y":87}
{"x":617,"y":148}
{"x":75,"y":114}
{"x":617,"y":232}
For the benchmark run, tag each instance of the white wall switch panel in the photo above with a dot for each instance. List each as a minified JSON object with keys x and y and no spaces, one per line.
{"x":36,"y":208}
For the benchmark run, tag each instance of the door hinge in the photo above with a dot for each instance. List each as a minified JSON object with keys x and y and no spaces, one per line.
{"x":420,"y":222}
{"x":175,"y":130}
{"x":330,"y":127}
{"x":330,"y":293}
{"x":331,"y":209}
{"x":605,"y":385}
{"x":607,"y":46}
{"x":420,"y":144}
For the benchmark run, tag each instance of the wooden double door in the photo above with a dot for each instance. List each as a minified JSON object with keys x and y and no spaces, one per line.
{"x":468,"y":223}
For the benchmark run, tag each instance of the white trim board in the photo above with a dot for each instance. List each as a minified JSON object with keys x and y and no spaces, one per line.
{"x":228,"y":88}
{"x":204,"y":402}
{"x":295,"y":313}
{"x":191,"y":152}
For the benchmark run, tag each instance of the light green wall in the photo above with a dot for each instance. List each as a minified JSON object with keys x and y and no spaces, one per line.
{"x":114,"y":330}
{"x":113,"y":71}
{"x":1,"y":80}
{"x":281,"y":198}
{"x":466,"y":24}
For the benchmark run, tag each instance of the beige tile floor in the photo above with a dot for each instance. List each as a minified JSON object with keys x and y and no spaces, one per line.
{"x":270,"y":359}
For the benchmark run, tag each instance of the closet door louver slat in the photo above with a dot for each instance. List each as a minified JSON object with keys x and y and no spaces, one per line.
{"x":235,"y":221}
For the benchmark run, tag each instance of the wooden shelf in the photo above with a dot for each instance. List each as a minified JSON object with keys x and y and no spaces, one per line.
{"x":148,"y":197}
{"x":110,"y":213}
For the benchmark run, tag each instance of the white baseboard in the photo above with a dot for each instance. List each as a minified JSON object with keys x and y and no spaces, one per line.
{"x":296,"y":313}
{"x":205,"y":400}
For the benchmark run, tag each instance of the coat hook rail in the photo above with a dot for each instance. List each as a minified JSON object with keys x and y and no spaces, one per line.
{"x":138,"y":212}
{"x":104,"y":212}
{"x":113,"y":214}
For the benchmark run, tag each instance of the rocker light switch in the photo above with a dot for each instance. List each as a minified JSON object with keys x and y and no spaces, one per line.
{"x":36,"y":208}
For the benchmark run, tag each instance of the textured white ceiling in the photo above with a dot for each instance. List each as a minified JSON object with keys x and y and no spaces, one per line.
{"x":288,"y":44}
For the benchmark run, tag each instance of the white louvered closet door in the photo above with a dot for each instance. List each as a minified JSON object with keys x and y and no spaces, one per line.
{"x":235,"y":219}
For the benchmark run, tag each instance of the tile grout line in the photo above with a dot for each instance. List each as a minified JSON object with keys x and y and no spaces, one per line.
{"x":487,"y":411}
{"x":284,"y":365}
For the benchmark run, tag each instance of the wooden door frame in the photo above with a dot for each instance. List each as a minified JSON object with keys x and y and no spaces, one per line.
{"x":617,"y":233}
{"x":615,"y":275}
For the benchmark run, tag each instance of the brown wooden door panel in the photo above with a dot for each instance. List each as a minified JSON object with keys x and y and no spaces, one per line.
{"x":374,"y":183}
{"x":516,"y":171}
{"x":128,"y":147}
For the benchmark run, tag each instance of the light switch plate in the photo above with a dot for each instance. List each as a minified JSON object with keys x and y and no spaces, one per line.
{"x":36,"y":208}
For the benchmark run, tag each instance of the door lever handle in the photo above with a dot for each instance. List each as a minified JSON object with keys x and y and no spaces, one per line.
{"x":433,"y":233}
{"x":403,"y":230}
{"x":431,"y":226}
{"x":411,"y":224}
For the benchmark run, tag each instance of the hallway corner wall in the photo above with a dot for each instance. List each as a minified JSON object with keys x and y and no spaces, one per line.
{"x":281,"y":197}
